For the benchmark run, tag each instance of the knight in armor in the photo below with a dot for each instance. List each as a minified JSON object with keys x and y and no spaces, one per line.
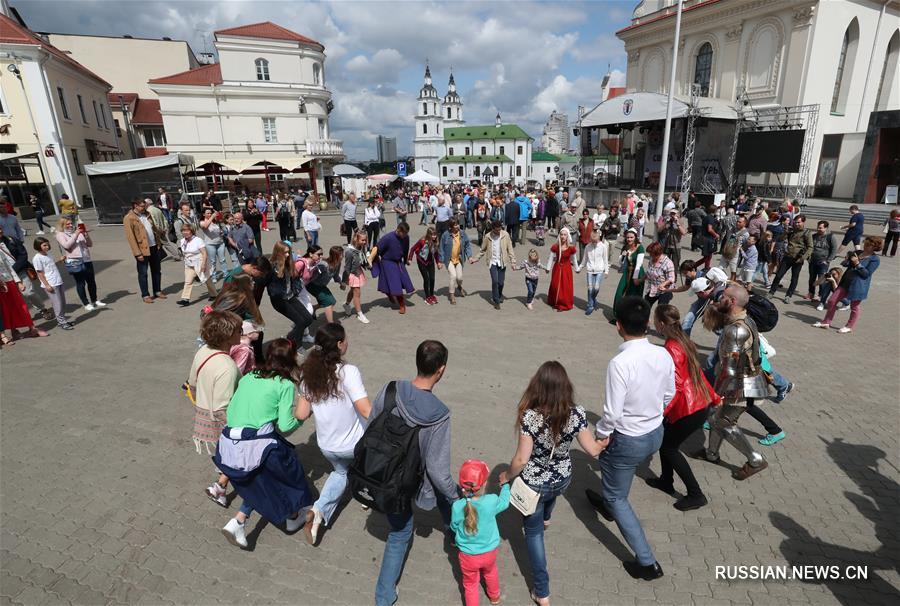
{"x":739,"y":379}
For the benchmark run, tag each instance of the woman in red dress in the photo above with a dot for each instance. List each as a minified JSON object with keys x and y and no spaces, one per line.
{"x":14,"y":312}
{"x":562,"y":292}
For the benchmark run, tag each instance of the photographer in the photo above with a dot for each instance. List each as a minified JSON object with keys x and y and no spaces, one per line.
{"x":854,"y":283}
{"x":212,"y":232}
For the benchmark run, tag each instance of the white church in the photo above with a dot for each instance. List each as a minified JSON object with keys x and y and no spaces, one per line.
{"x":448,"y":148}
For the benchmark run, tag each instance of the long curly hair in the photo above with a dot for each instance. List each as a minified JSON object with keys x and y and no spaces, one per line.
{"x":238,"y":297}
{"x":319,"y":371}
{"x":281,"y":362}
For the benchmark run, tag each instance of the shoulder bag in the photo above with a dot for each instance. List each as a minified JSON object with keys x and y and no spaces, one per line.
{"x":522,"y":496}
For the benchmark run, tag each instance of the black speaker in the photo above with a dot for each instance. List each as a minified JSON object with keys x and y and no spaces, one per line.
{"x":613,"y":130}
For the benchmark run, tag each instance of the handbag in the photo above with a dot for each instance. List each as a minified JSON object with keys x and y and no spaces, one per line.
{"x":75,"y":266}
{"x":522,"y":496}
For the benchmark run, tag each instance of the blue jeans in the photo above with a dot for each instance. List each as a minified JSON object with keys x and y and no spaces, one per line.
{"x":762,"y":268}
{"x":617,"y":466}
{"x":593,"y":289}
{"x":245,"y":509}
{"x":335,"y":485}
{"x":531,"y":286}
{"x":691,"y":316}
{"x":312,"y":237}
{"x":215,"y":257}
{"x":534,"y":534}
{"x":395,"y":551}
{"x":498,"y":277}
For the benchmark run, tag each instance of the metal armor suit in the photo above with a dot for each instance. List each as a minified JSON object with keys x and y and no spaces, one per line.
{"x":738,"y":377}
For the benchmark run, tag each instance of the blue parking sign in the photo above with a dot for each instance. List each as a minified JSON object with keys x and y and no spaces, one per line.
{"x":401,"y":169}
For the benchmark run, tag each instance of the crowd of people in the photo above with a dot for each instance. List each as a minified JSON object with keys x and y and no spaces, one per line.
{"x":393,"y":452}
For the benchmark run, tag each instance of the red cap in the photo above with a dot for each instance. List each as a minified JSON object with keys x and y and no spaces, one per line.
{"x":473,"y":474}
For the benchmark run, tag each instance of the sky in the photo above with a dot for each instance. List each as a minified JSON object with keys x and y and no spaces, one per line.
{"x":521,"y":58}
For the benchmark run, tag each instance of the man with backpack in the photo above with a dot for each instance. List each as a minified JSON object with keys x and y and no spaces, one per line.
{"x":427,"y":458}
{"x":799,"y":249}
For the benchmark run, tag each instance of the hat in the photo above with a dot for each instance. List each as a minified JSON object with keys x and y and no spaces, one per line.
{"x":473,"y":474}
{"x":717,"y":275}
{"x":632,"y":192}
{"x":699,"y":285}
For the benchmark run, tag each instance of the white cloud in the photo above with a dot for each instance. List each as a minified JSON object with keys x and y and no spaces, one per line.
{"x":383,"y":67}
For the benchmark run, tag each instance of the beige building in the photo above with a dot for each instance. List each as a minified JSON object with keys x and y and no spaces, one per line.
{"x":54,"y":118}
{"x":839,"y":55}
{"x":264,"y":101}
{"x":123,"y":62}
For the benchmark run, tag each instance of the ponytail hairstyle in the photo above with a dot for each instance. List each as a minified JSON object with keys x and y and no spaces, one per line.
{"x":668,"y":323}
{"x":319,"y":371}
{"x":470,"y":521}
{"x":335,"y":256}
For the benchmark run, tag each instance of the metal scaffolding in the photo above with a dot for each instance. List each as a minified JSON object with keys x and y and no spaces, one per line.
{"x":690,"y":138}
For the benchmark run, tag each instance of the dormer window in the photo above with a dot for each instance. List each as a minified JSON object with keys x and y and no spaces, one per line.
{"x":262,"y":69}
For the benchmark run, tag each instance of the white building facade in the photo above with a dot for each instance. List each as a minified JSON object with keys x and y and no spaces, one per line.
{"x":555,"y":138}
{"x":839,"y":55}
{"x":430,"y":121}
{"x":265,"y":100}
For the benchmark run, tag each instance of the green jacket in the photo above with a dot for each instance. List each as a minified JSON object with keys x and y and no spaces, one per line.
{"x":799,"y":245}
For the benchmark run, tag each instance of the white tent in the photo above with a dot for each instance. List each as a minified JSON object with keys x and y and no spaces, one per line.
{"x":128,"y":166}
{"x":647,"y":107}
{"x":421,"y":176}
{"x":346,"y":170}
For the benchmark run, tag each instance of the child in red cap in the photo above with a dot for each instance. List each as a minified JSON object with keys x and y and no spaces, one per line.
{"x":474,"y":521}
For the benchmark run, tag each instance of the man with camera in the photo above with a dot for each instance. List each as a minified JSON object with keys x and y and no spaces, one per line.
{"x":799,"y":249}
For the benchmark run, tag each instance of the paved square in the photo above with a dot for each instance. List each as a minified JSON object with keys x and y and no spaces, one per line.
{"x":102,"y":492}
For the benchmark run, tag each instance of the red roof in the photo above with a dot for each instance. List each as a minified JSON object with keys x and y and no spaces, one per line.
{"x":267,"y":30}
{"x":150,"y":152}
{"x":615,"y":91}
{"x":146,"y":111}
{"x":12,"y":32}
{"x":200,"y":76}
{"x":113,"y":98}
{"x":661,"y":17}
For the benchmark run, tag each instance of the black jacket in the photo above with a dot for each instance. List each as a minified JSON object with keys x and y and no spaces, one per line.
{"x":17,"y":250}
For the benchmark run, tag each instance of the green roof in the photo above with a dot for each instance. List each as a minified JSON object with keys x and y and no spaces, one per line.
{"x":473,"y":159}
{"x":569,"y":158}
{"x":542,"y":156}
{"x":504,"y":131}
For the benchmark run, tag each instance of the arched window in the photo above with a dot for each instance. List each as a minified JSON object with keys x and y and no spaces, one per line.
{"x":317,"y":74}
{"x":845,"y":68}
{"x":449,"y":111}
{"x":703,"y":68}
{"x":262,"y":69}
{"x":425,"y":109}
{"x":888,"y":72}
{"x":424,"y":129}
{"x":477,"y":171}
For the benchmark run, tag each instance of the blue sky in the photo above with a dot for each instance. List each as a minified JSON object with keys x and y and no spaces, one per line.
{"x":523,"y":59}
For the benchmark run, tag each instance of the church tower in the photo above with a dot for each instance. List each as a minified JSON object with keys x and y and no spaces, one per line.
{"x":428,"y":143}
{"x":452,"y":106}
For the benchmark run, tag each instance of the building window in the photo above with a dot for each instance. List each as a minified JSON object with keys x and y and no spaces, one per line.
{"x":483,"y":150}
{"x":78,"y":169}
{"x":444,"y":170}
{"x":518,"y":171}
{"x":519,"y":150}
{"x":317,"y":74}
{"x":103,"y":115}
{"x":424,"y":109}
{"x":845,"y":68}
{"x":451,"y":151}
{"x":434,"y":108}
{"x":262,"y":69}
{"x":322,"y":133}
{"x":438,"y":129}
{"x":81,"y":109}
{"x":467,"y":151}
{"x":703,"y":68}
{"x":425,"y":129}
{"x":502,"y":150}
{"x":3,"y":109}
{"x":97,"y":114}
{"x":269,"y":132}
{"x":888,"y":72}
{"x":449,"y":112}
{"x":460,"y":171}
{"x":153,"y":137}
{"x":548,"y":169}
{"x":62,"y":102}
{"x":477,"y":171}
{"x":496,"y":172}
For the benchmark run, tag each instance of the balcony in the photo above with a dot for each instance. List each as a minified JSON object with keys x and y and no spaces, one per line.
{"x":325,"y":148}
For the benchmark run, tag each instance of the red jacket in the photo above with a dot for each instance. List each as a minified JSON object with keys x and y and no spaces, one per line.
{"x":688,"y":399}
{"x":585,"y":229}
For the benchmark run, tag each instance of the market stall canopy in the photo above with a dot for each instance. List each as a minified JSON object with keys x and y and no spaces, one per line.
{"x":382,"y":178}
{"x":647,"y":107}
{"x":138,"y":164}
{"x":347,"y":170}
{"x":421,"y":176}
{"x":259,"y":164}
{"x":14,"y":155}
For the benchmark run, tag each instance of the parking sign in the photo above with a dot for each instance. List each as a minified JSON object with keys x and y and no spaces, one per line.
{"x":401,"y":169}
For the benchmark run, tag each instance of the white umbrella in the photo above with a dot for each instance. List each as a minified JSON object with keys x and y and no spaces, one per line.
{"x":420,"y":176}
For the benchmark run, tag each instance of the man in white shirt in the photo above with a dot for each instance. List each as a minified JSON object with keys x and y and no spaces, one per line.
{"x":640,"y":382}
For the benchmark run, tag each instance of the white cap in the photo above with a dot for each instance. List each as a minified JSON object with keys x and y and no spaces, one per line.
{"x":699,"y":285}
{"x":632,"y":191}
{"x":717,"y":275}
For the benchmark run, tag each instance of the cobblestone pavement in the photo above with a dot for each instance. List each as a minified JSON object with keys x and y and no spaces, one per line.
{"x":102,"y":492}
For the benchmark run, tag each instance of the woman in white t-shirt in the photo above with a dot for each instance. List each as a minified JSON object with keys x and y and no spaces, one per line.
{"x":334,"y":392}
{"x":48,"y":273}
{"x":310,"y":223}
{"x":195,"y":264}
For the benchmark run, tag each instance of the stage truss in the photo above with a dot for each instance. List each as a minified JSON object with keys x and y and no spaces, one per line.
{"x":690,"y":140}
{"x":797,"y":117}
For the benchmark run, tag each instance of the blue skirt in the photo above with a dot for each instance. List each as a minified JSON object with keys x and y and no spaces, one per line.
{"x":277,"y":488}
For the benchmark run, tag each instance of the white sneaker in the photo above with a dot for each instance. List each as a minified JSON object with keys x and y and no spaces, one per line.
{"x":845,"y":308}
{"x":89,"y":307}
{"x":234,"y":532}
{"x":217,"y":494}
{"x":99,"y":303}
{"x":348,"y":309}
{"x":39,"y":233}
{"x":844,"y":330}
{"x":362,"y":318}
{"x":820,"y":307}
{"x":52,"y":230}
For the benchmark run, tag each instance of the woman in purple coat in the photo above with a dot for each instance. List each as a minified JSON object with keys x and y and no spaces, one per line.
{"x":389,"y":265}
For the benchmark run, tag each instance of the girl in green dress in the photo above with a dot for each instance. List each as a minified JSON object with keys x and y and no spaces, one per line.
{"x":631,"y":263}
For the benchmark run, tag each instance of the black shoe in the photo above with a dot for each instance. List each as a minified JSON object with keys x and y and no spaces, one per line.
{"x":690,"y":502}
{"x":183,"y":302}
{"x":597,"y":501}
{"x":658,"y":484}
{"x":647,"y":573}
{"x":496,"y":306}
{"x":67,"y":326}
